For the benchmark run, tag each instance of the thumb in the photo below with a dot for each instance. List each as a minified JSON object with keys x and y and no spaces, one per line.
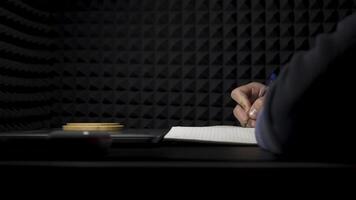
{"x":256,"y":108}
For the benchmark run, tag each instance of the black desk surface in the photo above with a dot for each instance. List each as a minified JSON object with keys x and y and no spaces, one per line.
{"x":163,"y":155}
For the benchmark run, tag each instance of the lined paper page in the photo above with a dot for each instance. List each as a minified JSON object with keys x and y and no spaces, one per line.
{"x":220,"y":134}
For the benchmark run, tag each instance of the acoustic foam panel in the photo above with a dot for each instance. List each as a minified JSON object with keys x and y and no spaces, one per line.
{"x":158,"y":63}
{"x":25,"y":87}
{"x":149,"y":64}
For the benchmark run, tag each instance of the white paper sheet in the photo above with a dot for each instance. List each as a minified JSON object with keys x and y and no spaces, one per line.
{"x":218,"y":134}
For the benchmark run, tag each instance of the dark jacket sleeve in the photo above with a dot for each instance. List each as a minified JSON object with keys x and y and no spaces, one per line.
{"x":309,"y":108}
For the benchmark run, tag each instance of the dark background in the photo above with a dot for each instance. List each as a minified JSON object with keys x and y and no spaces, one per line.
{"x":146,"y":63}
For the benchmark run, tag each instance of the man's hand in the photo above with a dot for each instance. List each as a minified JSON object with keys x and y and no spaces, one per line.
{"x":249,"y":100}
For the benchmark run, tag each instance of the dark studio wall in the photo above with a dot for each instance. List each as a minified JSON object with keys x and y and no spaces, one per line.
{"x":158,"y":63}
{"x":25,"y":67}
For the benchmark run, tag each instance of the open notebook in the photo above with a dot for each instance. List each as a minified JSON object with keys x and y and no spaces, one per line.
{"x":215,"y":134}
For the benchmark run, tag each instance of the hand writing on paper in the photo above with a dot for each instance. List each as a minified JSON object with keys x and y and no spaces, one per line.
{"x":249,"y":99}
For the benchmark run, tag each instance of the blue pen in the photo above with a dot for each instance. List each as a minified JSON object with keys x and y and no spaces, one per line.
{"x":273,"y":76}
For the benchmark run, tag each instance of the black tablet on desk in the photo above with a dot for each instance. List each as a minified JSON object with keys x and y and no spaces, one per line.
{"x":138,"y":136}
{"x":129,"y":136}
{"x":23,"y":137}
{"x":126,"y":136}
